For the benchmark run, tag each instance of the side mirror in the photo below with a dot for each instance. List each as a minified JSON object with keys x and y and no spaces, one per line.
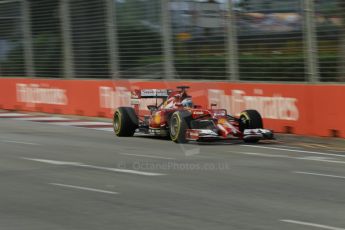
{"x":152,"y":108}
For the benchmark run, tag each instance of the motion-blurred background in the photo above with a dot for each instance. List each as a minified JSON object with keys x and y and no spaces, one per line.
{"x":256,"y":40}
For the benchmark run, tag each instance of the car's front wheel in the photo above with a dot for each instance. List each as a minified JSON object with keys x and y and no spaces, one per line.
{"x":250,"y":119}
{"x":178,"y":125}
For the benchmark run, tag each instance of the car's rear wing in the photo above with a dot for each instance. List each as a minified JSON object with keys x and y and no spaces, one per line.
{"x":149,"y":93}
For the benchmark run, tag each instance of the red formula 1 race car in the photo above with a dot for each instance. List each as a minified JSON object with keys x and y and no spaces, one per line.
{"x":174,"y":115}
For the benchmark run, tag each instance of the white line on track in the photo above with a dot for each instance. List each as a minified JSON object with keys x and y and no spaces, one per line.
{"x":288,"y":147}
{"x":104,"y":129}
{"x":320,"y":159}
{"x":263,"y":155}
{"x":147,"y":156}
{"x":337,"y":151}
{"x":19,"y":142}
{"x":129,"y":171}
{"x":319,"y":174}
{"x":77,"y":164}
{"x":53,"y":162}
{"x":80,"y":123}
{"x":43,"y":119}
{"x":13,"y":114}
{"x":84,"y":188}
{"x":295,"y":150}
{"x":311,"y":224}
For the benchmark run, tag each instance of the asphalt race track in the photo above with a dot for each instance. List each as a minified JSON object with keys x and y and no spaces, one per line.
{"x":68,"y":178}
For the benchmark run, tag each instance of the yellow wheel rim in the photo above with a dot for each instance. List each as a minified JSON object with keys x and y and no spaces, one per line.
{"x":117,"y":122}
{"x":176,"y":121}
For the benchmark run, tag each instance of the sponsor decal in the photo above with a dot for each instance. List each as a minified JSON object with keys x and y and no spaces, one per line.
{"x":148,"y":93}
{"x":112,"y":98}
{"x":40,"y":94}
{"x":271,"y":107}
{"x":162,"y":92}
{"x":154,"y":93}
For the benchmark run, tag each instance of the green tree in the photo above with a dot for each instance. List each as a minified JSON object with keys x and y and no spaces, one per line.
{"x":138,"y":41}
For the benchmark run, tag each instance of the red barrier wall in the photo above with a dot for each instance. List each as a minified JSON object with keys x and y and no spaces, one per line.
{"x":305,"y":109}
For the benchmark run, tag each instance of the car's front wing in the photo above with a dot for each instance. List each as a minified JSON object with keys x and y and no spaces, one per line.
{"x":210,"y":135}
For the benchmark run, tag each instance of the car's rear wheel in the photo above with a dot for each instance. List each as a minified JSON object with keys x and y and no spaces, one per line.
{"x":250,"y":119}
{"x":178,"y":125}
{"x":125,"y":122}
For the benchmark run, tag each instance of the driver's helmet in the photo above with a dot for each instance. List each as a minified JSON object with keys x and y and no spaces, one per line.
{"x":187,"y":102}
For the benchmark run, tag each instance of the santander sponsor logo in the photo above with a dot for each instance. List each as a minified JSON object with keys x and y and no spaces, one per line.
{"x":40,"y":94}
{"x":272,"y":107}
{"x":111,"y":98}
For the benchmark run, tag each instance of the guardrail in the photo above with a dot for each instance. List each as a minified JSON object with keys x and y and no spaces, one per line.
{"x":289,"y":108}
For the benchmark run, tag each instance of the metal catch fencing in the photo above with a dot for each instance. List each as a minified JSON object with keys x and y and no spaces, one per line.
{"x":248,"y":40}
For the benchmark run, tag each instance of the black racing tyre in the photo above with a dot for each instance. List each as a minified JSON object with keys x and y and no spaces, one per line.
{"x":250,"y":119}
{"x":125,"y":122}
{"x":178,"y":124}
